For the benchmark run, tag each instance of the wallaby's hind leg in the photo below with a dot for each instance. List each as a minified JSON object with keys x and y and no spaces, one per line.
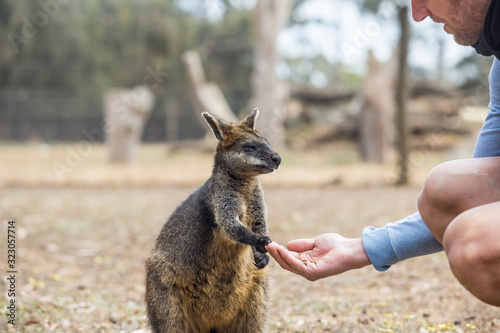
{"x":164,"y":306}
{"x":252,"y":320}
{"x":165,"y":316}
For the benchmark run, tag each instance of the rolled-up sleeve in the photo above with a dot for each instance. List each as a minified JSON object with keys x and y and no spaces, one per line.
{"x":398,"y":241}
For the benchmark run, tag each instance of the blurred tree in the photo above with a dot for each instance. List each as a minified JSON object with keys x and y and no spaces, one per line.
{"x":227,"y":49}
{"x":397,"y":105}
{"x":270,"y":17}
{"x":305,"y":70}
{"x":401,"y":118}
{"x":75,"y":50}
{"x":6,"y":52}
{"x":372,"y":6}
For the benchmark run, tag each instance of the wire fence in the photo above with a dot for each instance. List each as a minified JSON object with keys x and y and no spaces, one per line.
{"x":52,"y":115}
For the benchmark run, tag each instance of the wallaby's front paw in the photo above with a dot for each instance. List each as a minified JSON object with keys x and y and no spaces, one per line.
{"x":260,"y":260}
{"x":261,"y":244}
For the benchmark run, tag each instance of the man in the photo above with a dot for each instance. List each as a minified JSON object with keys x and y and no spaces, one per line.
{"x":459,"y":206}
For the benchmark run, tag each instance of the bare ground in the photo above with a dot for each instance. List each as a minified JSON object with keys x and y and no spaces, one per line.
{"x":81,"y":242}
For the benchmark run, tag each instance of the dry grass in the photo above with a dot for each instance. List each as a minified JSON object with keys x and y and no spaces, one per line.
{"x":81,"y":242}
{"x":84,"y":165}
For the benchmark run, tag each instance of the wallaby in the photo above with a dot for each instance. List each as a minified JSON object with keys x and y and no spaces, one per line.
{"x":206,"y":272}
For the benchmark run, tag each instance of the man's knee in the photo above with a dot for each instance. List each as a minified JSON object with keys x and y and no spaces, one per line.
{"x":445,"y":184}
{"x":454,"y":187}
{"x":474,"y":253}
{"x":440,"y":197}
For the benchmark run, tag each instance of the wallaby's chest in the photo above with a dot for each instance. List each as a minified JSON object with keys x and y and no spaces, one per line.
{"x":248,"y":208}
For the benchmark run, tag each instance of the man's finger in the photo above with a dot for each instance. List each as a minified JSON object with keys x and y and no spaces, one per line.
{"x":301,"y":245}
{"x":292,"y":262}
{"x":273,"y":249}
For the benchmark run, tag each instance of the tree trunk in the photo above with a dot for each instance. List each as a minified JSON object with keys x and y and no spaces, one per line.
{"x":402,"y":98}
{"x":207,"y":96}
{"x":126,"y":112}
{"x":377,"y":111}
{"x":270,"y":17}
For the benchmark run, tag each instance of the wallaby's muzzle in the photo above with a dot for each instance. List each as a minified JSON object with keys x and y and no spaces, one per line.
{"x":276,"y":159}
{"x":268,"y":161}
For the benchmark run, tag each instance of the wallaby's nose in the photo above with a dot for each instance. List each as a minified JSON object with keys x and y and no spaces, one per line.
{"x":276,"y":158}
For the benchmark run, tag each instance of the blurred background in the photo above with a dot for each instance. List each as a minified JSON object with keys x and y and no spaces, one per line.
{"x":319,"y":71}
{"x":101,"y":138}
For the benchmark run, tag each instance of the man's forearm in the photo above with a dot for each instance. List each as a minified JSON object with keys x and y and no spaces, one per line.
{"x":398,"y":241}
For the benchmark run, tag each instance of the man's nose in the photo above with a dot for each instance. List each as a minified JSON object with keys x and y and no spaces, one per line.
{"x":419,"y":10}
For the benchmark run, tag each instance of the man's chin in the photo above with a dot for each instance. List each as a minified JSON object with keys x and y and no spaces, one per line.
{"x":465,"y":39}
{"x":463,"y":42}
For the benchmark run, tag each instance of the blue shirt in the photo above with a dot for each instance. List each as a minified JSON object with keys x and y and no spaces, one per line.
{"x":410,"y":237}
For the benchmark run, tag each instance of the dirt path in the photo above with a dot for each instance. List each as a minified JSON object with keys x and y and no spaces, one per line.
{"x":80,"y":256}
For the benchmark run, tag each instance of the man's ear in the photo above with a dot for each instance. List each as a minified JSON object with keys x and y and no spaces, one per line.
{"x":217,"y":125}
{"x":251,"y":119}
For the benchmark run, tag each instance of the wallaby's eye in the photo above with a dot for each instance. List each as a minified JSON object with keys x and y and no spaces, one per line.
{"x":249,"y":148}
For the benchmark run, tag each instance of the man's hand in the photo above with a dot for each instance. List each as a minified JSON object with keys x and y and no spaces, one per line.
{"x":323,"y":256}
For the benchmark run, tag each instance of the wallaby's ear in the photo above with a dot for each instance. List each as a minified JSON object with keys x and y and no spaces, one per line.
{"x":251,"y":119}
{"x":217,"y":125}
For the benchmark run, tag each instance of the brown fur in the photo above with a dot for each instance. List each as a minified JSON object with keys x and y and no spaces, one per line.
{"x":207,"y":271}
